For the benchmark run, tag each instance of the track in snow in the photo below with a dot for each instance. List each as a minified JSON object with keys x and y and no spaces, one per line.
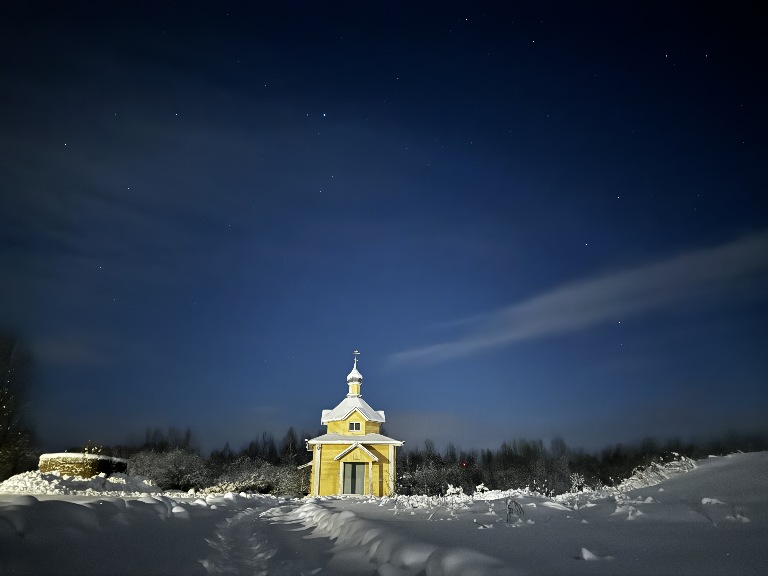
{"x":252,"y":543}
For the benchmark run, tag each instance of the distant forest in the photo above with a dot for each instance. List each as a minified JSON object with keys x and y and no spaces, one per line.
{"x":174,"y":461}
{"x":269,"y":465}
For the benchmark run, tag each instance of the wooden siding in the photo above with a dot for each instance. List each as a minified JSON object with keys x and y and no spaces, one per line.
{"x":330,"y":469}
{"x":342,"y":426}
{"x":372,"y":427}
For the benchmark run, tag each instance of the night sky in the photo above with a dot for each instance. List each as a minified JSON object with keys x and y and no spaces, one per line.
{"x":532,"y":219}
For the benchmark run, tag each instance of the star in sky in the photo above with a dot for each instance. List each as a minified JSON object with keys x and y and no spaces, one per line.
{"x":204,"y":209}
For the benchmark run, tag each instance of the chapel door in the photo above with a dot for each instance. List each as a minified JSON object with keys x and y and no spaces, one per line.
{"x":354,"y":478}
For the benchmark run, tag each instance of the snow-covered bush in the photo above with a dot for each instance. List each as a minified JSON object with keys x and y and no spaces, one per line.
{"x":244,"y":475}
{"x":577,"y":482}
{"x":657,"y":471}
{"x":427,"y":479}
{"x":247,"y":474}
{"x":290,"y":481}
{"x":454,"y":496}
{"x":177,"y":469}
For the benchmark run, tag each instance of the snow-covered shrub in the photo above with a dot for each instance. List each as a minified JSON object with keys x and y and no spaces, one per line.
{"x":290,"y":481}
{"x":244,"y":475}
{"x":542,"y":488}
{"x":429,"y":480}
{"x":657,"y":471}
{"x":453,"y":492}
{"x":455,"y":497}
{"x":247,"y":474}
{"x":577,"y":482}
{"x":177,"y":469}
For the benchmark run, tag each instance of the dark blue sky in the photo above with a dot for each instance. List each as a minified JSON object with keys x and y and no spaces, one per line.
{"x":533,"y":219}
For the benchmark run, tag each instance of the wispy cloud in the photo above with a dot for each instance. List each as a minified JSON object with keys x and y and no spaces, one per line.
{"x":693,"y":276}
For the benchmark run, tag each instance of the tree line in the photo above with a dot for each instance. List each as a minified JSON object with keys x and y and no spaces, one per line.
{"x":172,"y":458}
{"x":269,"y":465}
{"x":551,"y":468}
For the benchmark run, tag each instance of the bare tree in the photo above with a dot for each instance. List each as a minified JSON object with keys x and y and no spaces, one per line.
{"x":290,"y":447}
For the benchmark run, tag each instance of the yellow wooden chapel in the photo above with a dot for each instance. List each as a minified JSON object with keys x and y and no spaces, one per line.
{"x":353,"y":457}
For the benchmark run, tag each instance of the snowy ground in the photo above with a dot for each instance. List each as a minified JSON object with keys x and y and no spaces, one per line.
{"x":712,"y":519}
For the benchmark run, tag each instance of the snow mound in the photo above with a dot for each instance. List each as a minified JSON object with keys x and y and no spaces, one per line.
{"x":371,"y":544}
{"x":656,"y":473}
{"x":710,"y":522}
{"x":642,"y":477}
{"x":53,"y":483}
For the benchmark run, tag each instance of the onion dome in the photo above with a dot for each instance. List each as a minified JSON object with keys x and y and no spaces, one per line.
{"x":354,"y":378}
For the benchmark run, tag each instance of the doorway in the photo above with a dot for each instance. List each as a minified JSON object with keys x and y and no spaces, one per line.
{"x":354,"y":478}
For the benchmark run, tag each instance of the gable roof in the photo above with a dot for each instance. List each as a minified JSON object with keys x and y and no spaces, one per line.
{"x":365,"y":450}
{"x":349,"y":405}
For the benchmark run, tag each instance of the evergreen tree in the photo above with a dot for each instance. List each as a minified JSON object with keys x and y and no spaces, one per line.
{"x":16,"y":435}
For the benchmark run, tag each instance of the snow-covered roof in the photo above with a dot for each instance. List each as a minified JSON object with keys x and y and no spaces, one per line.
{"x":361,"y":439}
{"x":354,"y":375}
{"x":349,"y":405}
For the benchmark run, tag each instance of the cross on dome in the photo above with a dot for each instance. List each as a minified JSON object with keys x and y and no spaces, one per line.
{"x":354,"y":378}
{"x":353,"y":456}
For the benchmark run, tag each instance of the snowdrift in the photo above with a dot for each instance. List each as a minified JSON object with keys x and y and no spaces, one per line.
{"x":710,"y":519}
{"x":54,"y":483}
